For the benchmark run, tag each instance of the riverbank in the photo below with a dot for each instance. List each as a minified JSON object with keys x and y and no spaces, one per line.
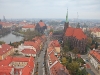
{"x":18,"y":34}
{"x":11,"y":38}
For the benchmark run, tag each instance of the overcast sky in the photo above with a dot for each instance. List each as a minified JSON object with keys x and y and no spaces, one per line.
{"x":87,"y":9}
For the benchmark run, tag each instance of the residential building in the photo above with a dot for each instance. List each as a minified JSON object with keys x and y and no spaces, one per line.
{"x":29,"y":52}
{"x":94,"y":57}
{"x":17,"y":66}
{"x":95,"y":31}
{"x":54,"y":65}
{"x":28,"y":27}
{"x":5,"y":50}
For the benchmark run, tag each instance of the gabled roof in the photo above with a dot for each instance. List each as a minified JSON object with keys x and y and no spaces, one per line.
{"x":75,"y":32}
{"x":59,"y":69}
{"x":28,"y":51}
{"x":96,"y":54}
{"x":53,"y":58}
{"x":28,"y":26}
{"x":35,"y":44}
{"x":41,"y":24}
{"x":95,"y":29}
{"x":5,"y":69}
{"x":55,"y":43}
{"x":69,"y":31}
{"x":29,"y":67}
{"x":5,"y":48}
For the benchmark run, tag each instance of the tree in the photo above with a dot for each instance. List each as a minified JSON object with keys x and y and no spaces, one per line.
{"x":75,"y":51}
{"x":64,"y":61}
{"x":73,"y":67}
{"x":2,"y":42}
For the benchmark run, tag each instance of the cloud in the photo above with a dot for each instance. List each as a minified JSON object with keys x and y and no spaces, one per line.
{"x":49,"y":8}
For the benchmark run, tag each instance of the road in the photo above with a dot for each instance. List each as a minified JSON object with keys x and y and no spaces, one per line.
{"x":40,"y":60}
{"x":92,"y":71}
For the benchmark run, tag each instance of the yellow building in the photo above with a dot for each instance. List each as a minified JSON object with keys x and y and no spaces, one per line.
{"x":5,"y":50}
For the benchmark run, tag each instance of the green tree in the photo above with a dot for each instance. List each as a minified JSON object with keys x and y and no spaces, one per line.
{"x":64,"y":61}
{"x":2,"y":42}
{"x":73,"y":67}
{"x":75,"y":51}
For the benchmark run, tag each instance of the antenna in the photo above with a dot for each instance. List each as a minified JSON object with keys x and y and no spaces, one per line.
{"x":77,"y":16}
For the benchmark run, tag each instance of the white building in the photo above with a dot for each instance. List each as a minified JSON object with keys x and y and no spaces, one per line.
{"x":94,"y":57}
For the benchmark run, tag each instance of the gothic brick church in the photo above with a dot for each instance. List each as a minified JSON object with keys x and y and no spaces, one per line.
{"x":75,"y":36}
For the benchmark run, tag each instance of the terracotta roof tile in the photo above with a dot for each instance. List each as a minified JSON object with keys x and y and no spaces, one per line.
{"x":28,"y":26}
{"x":41,"y":24}
{"x":75,"y":32}
{"x":28,"y":51}
{"x":96,"y":54}
{"x":59,"y":69}
{"x":5,"y":48}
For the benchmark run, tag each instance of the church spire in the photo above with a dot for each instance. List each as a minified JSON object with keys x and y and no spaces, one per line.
{"x":67,"y":16}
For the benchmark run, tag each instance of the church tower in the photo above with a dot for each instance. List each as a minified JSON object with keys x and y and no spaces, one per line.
{"x":66,"y":25}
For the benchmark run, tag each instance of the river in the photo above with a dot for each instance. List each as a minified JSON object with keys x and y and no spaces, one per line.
{"x":11,"y":38}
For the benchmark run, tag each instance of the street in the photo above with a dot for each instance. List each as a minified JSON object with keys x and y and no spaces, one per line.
{"x":39,"y":61}
{"x":92,"y":71}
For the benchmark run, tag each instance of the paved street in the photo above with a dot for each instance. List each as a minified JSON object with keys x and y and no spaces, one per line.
{"x":40,"y":61}
{"x":92,"y":71}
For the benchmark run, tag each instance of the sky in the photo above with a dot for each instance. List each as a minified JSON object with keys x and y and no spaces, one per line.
{"x":87,"y":9}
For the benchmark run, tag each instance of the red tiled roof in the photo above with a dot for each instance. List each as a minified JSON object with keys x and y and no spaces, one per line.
{"x":31,"y":43}
{"x":78,"y":33}
{"x":6,"y":61}
{"x":75,"y":32}
{"x":29,"y":26}
{"x":59,"y":69}
{"x":88,"y":66}
{"x":69,"y":31}
{"x":96,"y":54}
{"x":95,"y":29}
{"x":53,"y":58}
{"x":29,"y":67}
{"x":5,"y":69}
{"x":41,"y":24}
{"x":55,"y":43}
{"x":4,"y":64}
{"x":50,"y":49}
{"x":5,"y":48}
{"x":28,"y":51}
{"x":20,"y":59}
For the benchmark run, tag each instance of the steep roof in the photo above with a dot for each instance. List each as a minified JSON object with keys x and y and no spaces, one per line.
{"x":59,"y":69}
{"x":55,"y":43}
{"x":28,"y":26}
{"x":78,"y":33}
{"x":69,"y":31}
{"x":29,"y":67}
{"x":75,"y":32}
{"x":96,"y":54}
{"x":28,"y":51}
{"x":53,"y":58}
{"x":95,"y":29}
{"x":41,"y":24}
{"x":35,"y":44}
{"x":4,"y":48}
